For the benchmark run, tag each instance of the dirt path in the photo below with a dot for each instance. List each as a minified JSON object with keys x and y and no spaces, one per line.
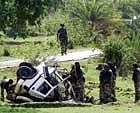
{"x":58,"y":58}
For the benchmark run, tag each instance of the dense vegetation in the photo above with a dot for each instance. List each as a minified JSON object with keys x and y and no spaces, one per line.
{"x":101,"y":23}
{"x":105,"y":24}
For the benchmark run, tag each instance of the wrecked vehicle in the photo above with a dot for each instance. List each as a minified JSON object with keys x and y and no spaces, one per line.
{"x":43,"y":83}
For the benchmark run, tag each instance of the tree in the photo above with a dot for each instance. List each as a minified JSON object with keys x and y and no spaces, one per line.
{"x":97,"y":13}
{"x":129,"y":8}
{"x":28,"y":12}
{"x":17,"y":14}
{"x":55,"y":4}
{"x":6,"y":14}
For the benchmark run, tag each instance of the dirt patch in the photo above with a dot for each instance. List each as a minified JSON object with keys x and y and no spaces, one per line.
{"x":13,"y":43}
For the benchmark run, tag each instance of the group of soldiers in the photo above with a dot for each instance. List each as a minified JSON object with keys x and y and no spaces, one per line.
{"x":107,"y":77}
{"x":107,"y":83}
{"x":107,"y":73}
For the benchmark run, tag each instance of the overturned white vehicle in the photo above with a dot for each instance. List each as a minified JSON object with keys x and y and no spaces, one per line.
{"x":42,"y":83}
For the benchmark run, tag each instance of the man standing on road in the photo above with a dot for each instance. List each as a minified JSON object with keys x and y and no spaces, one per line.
{"x":62,"y":38}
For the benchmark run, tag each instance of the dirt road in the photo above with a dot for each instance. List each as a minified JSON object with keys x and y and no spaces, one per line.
{"x":74,"y":56}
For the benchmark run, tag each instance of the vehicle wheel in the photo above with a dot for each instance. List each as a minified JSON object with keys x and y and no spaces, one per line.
{"x":21,"y":99}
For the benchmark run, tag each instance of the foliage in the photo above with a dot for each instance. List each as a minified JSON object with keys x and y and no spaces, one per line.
{"x":6,"y":52}
{"x":51,"y":24}
{"x":96,"y":13}
{"x":31,"y":11}
{"x":17,"y":14}
{"x":114,"y":51}
{"x":123,"y":52}
{"x":86,"y":10}
{"x":53,"y":5}
{"x":7,"y":13}
{"x":88,"y":22}
{"x":134,"y":45}
{"x":125,"y":6}
{"x":129,"y":8}
{"x":78,"y":33}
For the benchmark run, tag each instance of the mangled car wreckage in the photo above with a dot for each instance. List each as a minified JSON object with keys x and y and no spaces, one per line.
{"x":43,"y":83}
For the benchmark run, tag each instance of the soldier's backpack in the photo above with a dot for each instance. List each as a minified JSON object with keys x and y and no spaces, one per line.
{"x":62,"y":33}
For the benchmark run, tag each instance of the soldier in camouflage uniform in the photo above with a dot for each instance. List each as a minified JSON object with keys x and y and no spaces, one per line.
{"x":136,"y":79}
{"x":113,"y":68}
{"x":77,"y":80}
{"x":63,"y":39}
{"x":6,"y":84}
{"x":106,"y":79}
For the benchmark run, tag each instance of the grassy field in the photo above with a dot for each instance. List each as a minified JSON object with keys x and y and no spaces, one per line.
{"x":123,"y":108}
{"x":30,"y":47}
{"x":44,"y":46}
{"x":124,"y":91}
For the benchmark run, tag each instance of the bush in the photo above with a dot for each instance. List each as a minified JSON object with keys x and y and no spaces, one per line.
{"x":51,"y":23}
{"x":70,"y":44}
{"x":123,"y":52}
{"x":6,"y":52}
{"x":114,"y":51}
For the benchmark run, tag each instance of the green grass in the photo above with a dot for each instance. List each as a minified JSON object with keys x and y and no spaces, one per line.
{"x":120,"y":108}
{"x":108,"y":108}
{"x":31,"y":47}
{"x":8,"y":72}
{"x":94,"y":109}
{"x":124,"y":92}
{"x":28,"y":48}
{"x":8,"y":109}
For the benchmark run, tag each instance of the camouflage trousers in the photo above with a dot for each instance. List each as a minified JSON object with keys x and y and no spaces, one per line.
{"x":137,"y":91}
{"x":79,"y":90}
{"x":2,"y":94}
{"x":63,"y":44}
{"x":113,"y":89}
{"x":105,"y":93}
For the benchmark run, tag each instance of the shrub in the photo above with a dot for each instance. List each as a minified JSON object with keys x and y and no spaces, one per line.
{"x":114,"y":51}
{"x":6,"y":52}
{"x":70,"y":44}
{"x":123,"y":52}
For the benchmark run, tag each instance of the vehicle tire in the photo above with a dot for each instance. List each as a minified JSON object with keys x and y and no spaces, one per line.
{"x":21,"y":99}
